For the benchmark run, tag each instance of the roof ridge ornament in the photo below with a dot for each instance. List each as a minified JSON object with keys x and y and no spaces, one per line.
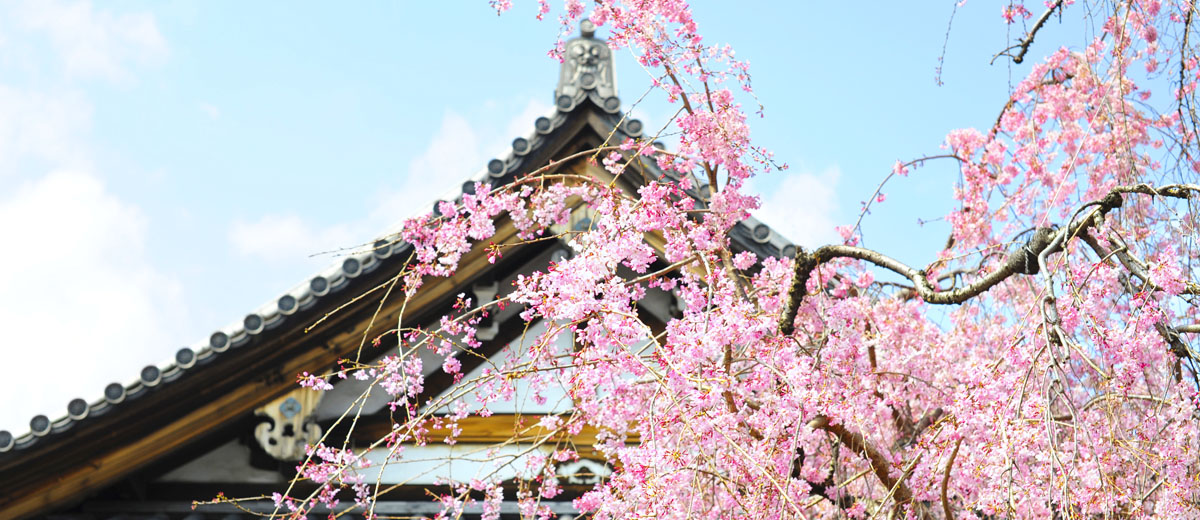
{"x":587,"y":70}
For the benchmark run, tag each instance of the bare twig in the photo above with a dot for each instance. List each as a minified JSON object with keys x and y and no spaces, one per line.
{"x":937,"y":75}
{"x":875,"y":196}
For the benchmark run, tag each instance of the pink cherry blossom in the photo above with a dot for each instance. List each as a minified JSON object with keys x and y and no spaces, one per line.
{"x":1041,"y":366}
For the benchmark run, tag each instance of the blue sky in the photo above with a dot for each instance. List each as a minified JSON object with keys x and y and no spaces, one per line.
{"x":166,"y":167}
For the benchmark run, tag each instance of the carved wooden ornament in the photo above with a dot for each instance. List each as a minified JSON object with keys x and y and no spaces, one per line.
{"x":291,"y":427}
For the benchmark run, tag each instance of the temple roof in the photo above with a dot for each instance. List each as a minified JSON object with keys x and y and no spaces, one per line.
{"x":586,"y":88}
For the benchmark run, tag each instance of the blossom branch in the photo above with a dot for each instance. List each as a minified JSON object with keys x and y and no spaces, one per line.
{"x":946,"y":481}
{"x":1021,"y":261}
{"x":1044,"y":241}
{"x":879,"y":464}
{"x":1023,"y":45}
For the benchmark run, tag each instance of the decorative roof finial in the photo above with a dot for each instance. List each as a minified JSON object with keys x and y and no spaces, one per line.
{"x":587,"y":70}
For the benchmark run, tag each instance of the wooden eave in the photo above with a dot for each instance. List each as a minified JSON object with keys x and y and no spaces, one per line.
{"x":175,"y":419}
{"x":102,"y":450}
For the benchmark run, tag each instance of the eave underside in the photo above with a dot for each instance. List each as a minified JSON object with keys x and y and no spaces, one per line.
{"x":171,"y":422}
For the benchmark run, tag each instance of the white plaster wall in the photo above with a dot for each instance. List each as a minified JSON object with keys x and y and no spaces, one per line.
{"x":229,"y":462}
{"x":523,"y":402}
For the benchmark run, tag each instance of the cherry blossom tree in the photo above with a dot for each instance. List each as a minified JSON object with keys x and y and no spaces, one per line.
{"x":1038,"y":367}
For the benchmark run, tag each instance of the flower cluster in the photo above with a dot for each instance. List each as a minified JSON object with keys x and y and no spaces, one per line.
{"x":1066,"y":389}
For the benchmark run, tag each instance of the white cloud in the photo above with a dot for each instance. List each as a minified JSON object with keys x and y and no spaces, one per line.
{"x":522,"y":124}
{"x":453,"y":154}
{"x":278,"y":238}
{"x":457,"y":150}
{"x":211,"y":110}
{"x":81,"y":305}
{"x":47,"y":128}
{"x":79,"y":300}
{"x":43,"y":127}
{"x":802,"y":207}
{"x":95,"y":44}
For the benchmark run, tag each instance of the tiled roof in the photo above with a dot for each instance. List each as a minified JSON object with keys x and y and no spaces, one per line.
{"x":582,"y":82}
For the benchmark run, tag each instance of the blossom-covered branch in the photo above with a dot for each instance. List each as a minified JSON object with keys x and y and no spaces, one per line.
{"x":797,"y":387}
{"x":1022,"y":261}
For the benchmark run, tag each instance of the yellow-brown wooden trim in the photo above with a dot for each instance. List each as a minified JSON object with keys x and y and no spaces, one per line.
{"x":500,"y":429}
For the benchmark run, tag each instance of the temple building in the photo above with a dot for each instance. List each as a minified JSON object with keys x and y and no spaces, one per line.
{"x":226,"y":416}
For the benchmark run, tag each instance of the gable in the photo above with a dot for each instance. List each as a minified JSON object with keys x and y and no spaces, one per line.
{"x":188,"y":420}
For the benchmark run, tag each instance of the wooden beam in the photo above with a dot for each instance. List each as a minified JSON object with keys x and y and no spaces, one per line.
{"x":495,"y":429}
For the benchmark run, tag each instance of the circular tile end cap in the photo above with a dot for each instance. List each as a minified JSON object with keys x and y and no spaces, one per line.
{"x":761,"y":233}
{"x":185,"y":357}
{"x":383,"y":247}
{"x":495,"y":168}
{"x":633,"y":127}
{"x":789,"y":251}
{"x":587,"y":80}
{"x":40,"y":425}
{"x":286,"y":303}
{"x":114,"y":392}
{"x":352,"y":267}
{"x":319,"y":285}
{"x":6,"y":440}
{"x":219,"y":341}
{"x":77,"y":408}
{"x":151,"y":375}
{"x":564,"y":103}
{"x":253,"y":323}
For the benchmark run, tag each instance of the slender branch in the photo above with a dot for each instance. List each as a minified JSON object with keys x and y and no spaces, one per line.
{"x":1170,"y":335}
{"x":1023,"y":45}
{"x":946,"y":481}
{"x":1054,"y":79}
{"x":1107,"y":397}
{"x":687,"y":105}
{"x":1184,"y":100}
{"x":874,"y":196}
{"x":925,"y":422}
{"x":937,"y":74}
{"x":1044,"y":241}
{"x":1022,"y":261}
{"x":879,"y":464}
